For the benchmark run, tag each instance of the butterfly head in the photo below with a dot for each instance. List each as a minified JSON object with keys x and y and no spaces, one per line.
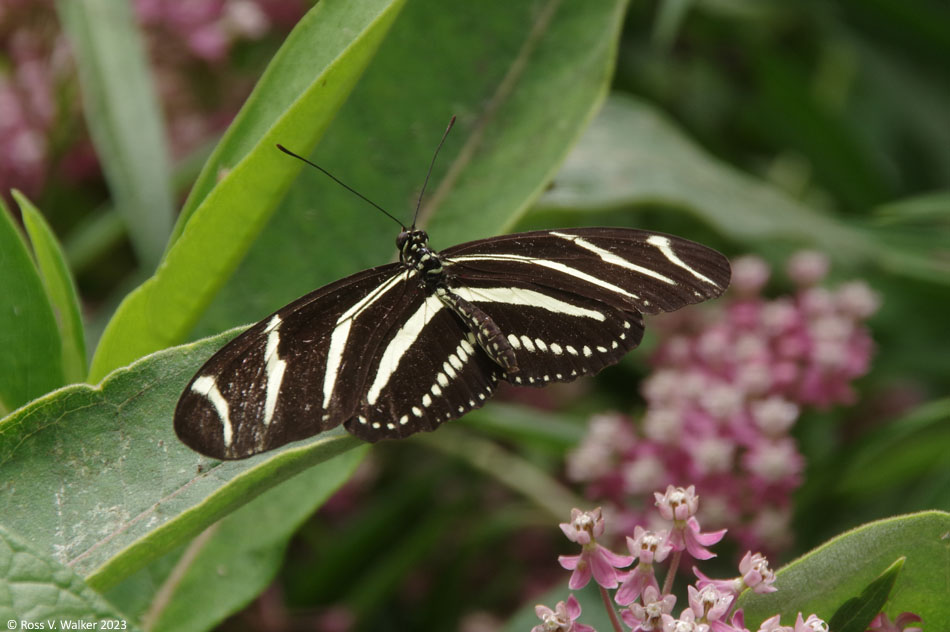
{"x":411,"y":241}
{"x":414,"y":251}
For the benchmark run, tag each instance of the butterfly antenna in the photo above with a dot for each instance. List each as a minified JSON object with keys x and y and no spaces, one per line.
{"x":340,"y":182}
{"x":429,"y":172}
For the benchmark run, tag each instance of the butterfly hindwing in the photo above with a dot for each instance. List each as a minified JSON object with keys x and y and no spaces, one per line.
{"x":429,"y":372}
{"x":556,"y":335}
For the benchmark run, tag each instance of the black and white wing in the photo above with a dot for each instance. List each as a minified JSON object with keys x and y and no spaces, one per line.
{"x":429,"y":371}
{"x":570,"y":301}
{"x":298,"y":372}
{"x":394,"y":350}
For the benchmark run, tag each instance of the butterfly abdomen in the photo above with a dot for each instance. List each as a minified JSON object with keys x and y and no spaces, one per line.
{"x":487,"y":332}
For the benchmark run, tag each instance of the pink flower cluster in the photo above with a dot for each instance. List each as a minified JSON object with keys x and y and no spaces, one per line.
{"x":39,"y":110}
{"x":207,"y":29}
{"x":645,"y":606}
{"x":34,"y":67}
{"x":728,"y":385}
{"x":190,"y":44}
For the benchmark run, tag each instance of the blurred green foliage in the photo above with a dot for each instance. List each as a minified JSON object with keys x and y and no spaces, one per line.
{"x":813,"y":124}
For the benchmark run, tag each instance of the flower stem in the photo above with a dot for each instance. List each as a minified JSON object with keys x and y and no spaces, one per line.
{"x":610,"y":609}
{"x":671,"y":573}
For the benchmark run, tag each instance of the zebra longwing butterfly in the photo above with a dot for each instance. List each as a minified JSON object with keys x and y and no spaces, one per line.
{"x":406,"y":346}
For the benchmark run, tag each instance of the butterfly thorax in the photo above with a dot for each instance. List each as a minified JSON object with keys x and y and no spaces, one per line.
{"x":414,"y":252}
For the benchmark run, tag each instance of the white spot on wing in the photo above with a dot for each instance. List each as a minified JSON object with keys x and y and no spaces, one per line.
{"x":528,"y":343}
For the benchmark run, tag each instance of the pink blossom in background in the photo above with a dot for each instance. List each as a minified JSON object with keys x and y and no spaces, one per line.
{"x":727,"y":386}
{"x":34,"y":71}
{"x":190,"y":46}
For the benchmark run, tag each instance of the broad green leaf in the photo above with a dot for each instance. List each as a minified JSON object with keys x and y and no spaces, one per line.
{"x":856,"y":614}
{"x":31,"y":361}
{"x":124,"y":117}
{"x":59,"y":287}
{"x":97,"y":477}
{"x":824,"y":579}
{"x":524,"y":78}
{"x":246,"y":176}
{"x":233,"y":560}
{"x":914,"y":233}
{"x":36,"y":589}
{"x":633,"y":154}
{"x":908,"y":450}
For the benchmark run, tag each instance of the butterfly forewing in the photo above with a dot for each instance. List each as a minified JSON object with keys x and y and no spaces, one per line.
{"x":268,"y":386}
{"x":651,"y":272}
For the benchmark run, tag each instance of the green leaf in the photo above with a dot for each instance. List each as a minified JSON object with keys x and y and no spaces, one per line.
{"x":35,"y":588}
{"x":824,"y":579}
{"x":98,"y":478}
{"x":633,"y":154}
{"x":915,"y":231}
{"x":59,"y":287}
{"x":500,"y":66}
{"x":526,"y":425}
{"x":909,"y":450}
{"x":234,"y":559}
{"x":31,"y":361}
{"x":513,"y":471}
{"x":246,"y":176}
{"x":124,"y":118}
{"x":855,"y":615}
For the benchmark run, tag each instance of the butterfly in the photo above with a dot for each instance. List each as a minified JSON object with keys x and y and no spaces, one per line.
{"x":407,"y":346}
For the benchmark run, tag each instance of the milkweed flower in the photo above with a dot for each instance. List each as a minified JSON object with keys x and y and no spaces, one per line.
{"x":812,"y":624}
{"x":647,"y":547}
{"x":584,"y":528}
{"x":711,"y":606}
{"x":754,"y":573}
{"x":883,"y":623}
{"x":562,"y":619}
{"x":679,"y":505}
{"x":685,"y":623}
{"x":648,"y":615}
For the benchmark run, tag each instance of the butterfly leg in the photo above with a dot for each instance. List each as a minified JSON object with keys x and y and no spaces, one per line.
{"x":487,"y":333}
